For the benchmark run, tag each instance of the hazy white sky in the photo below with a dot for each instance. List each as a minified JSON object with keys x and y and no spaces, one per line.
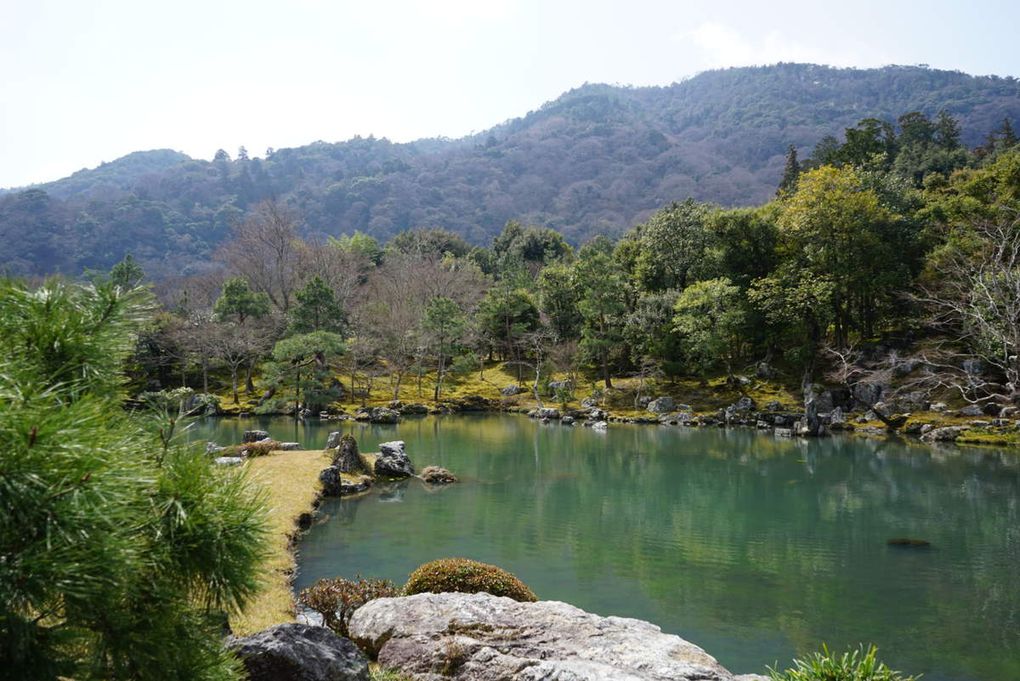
{"x":86,"y":81}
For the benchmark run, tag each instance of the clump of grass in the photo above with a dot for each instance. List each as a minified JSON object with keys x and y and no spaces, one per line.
{"x":861,"y":664}
{"x":251,"y":449}
{"x":467,"y":576}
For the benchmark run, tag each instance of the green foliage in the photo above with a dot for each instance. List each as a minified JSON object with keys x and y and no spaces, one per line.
{"x":854,"y":665}
{"x":360,"y":243}
{"x":317,"y":309}
{"x":709,"y":317}
{"x":462,"y":575}
{"x":674,"y":243}
{"x":305,"y":363}
{"x":336,"y":599}
{"x":115,"y":554}
{"x":238,"y":301}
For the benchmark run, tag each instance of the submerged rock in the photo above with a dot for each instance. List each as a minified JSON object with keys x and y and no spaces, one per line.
{"x":485,"y":637}
{"x":436,"y":475}
{"x":300,"y":652}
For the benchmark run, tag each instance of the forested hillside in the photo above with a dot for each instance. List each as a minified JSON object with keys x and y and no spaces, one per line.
{"x":597,"y":160}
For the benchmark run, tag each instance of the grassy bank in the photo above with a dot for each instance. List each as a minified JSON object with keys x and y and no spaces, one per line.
{"x":291,"y":480}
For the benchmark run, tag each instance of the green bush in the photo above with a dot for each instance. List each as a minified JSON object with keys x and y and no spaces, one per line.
{"x":855,"y":665}
{"x":466,"y":576}
{"x":337,"y":599}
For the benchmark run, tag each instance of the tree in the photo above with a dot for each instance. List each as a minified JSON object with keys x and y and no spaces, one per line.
{"x":317,"y":309}
{"x":559,"y":300}
{"x":305,"y":360}
{"x":673,"y":246}
{"x":504,"y":315}
{"x":791,"y":171}
{"x":127,"y":273}
{"x":443,"y":322}
{"x":709,"y":317}
{"x":238,"y":301}
{"x":265,"y":249}
{"x":602,"y":305}
{"x":115,"y":556}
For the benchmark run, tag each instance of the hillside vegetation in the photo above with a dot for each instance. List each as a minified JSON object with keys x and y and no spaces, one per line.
{"x":597,"y":160}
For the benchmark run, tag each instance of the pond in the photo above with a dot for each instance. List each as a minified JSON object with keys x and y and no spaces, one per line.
{"x":753,"y":547}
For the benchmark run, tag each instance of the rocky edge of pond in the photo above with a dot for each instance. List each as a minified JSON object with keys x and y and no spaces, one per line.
{"x":479,"y":637}
{"x":351,"y":472}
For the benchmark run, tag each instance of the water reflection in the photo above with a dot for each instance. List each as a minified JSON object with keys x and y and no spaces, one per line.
{"x":752,"y":546}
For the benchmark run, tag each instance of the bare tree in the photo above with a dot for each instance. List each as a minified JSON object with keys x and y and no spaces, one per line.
{"x":266,"y":250}
{"x":849,"y":371}
{"x":976,"y":306}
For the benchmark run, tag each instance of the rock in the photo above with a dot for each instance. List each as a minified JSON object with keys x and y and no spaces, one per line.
{"x":347,"y":458}
{"x":745,"y":403}
{"x":972,"y":410}
{"x":662,"y":405}
{"x":414,"y":408}
{"x":927,"y":428}
{"x":596,"y":414}
{"x":212,"y":448}
{"x":333,"y":484}
{"x":228,"y":460}
{"x":589,"y":402}
{"x":333,"y":441}
{"x":973,"y":367}
{"x":254,"y":436}
{"x":384,"y":415}
{"x":560,"y":385}
{"x":938,"y":406}
{"x":393,"y":461}
{"x":547,"y":413}
{"x":510,"y":391}
{"x":435,"y":475}
{"x":483,"y":637}
{"x":567,"y":420}
{"x":945,"y":434}
{"x":837,"y":417}
{"x":907,"y":366}
{"x":299,"y":652}
{"x":600,"y":426}
{"x":289,"y":446}
{"x":867,"y":394}
{"x":764,"y":370}
{"x":642,"y":402}
{"x":774,"y":405}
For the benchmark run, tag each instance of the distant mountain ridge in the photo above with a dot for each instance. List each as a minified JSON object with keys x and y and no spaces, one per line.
{"x":595,"y":160}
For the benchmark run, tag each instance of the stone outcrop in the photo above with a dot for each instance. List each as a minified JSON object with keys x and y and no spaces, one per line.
{"x":488,"y":638}
{"x":333,"y":484}
{"x":377,"y":415}
{"x":300,"y":652}
{"x":347,"y":458}
{"x":393,"y":461}
{"x":662,"y":405}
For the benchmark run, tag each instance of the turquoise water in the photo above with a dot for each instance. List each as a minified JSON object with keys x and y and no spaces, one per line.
{"x":753,"y":547}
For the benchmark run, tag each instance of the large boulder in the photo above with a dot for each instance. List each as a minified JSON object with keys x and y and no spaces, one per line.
{"x":347,"y":458}
{"x":662,"y":405}
{"x":300,"y":652}
{"x":488,"y":638}
{"x":946,"y":434}
{"x":333,"y":484}
{"x":437,"y":475}
{"x":393,"y":461}
{"x":333,"y":441}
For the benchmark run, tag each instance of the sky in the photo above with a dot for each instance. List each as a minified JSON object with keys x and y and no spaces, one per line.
{"x":87,"y":81}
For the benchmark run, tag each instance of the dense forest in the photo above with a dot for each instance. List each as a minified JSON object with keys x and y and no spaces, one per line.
{"x":597,"y":160}
{"x":894,"y":235}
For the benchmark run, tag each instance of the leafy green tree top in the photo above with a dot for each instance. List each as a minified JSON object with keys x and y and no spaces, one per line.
{"x":317,"y":309}
{"x":239,"y":301}
{"x":709,"y":317}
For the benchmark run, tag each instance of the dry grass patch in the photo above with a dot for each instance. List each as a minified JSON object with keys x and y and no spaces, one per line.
{"x":291,"y":480}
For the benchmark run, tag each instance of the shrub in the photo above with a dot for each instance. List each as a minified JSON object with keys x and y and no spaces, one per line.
{"x":337,"y":599}
{"x":856,"y":665}
{"x":466,"y":576}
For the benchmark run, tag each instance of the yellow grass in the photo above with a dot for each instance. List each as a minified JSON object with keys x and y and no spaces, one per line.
{"x":291,"y":480}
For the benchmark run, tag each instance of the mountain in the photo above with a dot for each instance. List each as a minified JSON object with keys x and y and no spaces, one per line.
{"x":596,"y":160}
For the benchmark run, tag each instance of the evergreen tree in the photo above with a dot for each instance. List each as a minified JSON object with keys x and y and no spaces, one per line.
{"x":239,"y":301}
{"x":118,"y":549}
{"x":317,"y":309}
{"x":790,"y":172}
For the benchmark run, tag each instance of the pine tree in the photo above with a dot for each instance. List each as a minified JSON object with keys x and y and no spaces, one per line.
{"x":790,"y":172}
{"x":119,"y":551}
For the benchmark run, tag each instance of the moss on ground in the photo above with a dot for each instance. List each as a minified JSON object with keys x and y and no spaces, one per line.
{"x":291,"y":480}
